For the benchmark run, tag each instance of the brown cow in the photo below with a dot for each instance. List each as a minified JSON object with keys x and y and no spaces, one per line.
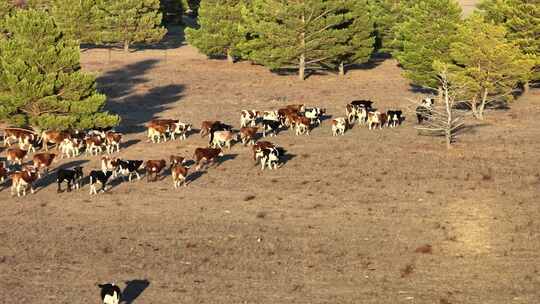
{"x":259,"y":146}
{"x":23,"y":136}
{"x":113,"y":140}
{"x":15,"y":155}
{"x":179,"y":174}
{"x":55,"y":137}
{"x":208,"y":154}
{"x":296,"y":107}
{"x":177,"y":160}
{"x":248,"y":118}
{"x":302,"y":125}
{"x":223,"y":138}
{"x":247,"y":134}
{"x":43,"y":161}
{"x":22,"y":179}
{"x":94,"y":144}
{"x":158,"y":131}
{"x":375,"y":119}
{"x":153,"y":167}
{"x":206,"y":126}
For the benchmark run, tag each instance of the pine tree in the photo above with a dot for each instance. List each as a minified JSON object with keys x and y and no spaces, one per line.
{"x":129,"y":21}
{"x":76,"y":20}
{"x":41,"y":82}
{"x":521,"y":18}
{"x":354,"y":34}
{"x":294,"y":34}
{"x":487,"y":64}
{"x":424,"y":37}
{"x":219,"y":32}
{"x":386,"y":14}
{"x":172,"y":11}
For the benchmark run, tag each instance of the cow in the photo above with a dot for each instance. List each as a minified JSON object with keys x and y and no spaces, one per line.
{"x":357,"y":111}
{"x":375,"y":119}
{"x":177,"y":159}
{"x":98,"y":176}
{"x":206,"y":126}
{"x":94,"y":144}
{"x":15,"y":155}
{"x":179,"y":174}
{"x":296,"y":107}
{"x":303,"y":125}
{"x":21,"y":180}
{"x":23,"y":136}
{"x":43,"y":161}
{"x":180,"y":128}
{"x":3,"y":172}
{"x":110,"y":293}
{"x":54,"y":137}
{"x":206,"y":154}
{"x":70,"y":146}
{"x":154,"y":167}
{"x":271,"y":127}
{"x":248,"y":118}
{"x":107,"y":164}
{"x":71,"y":176}
{"x":314,"y":114}
{"x":423,"y":111}
{"x":128,"y":167}
{"x":270,"y":157}
{"x":223,"y":138}
{"x":259,"y":146}
{"x":157,"y":132}
{"x":112,"y":140}
{"x":394,"y":118}
{"x":366,"y":104}
{"x":218,"y":127}
{"x":247,"y":135}
{"x":339,"y":126}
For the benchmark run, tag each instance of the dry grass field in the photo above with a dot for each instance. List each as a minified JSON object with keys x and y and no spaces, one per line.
{"x":345,"y":220}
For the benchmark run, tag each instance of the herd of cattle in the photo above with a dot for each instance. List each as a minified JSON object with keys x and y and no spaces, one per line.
{"x":298,"y":117}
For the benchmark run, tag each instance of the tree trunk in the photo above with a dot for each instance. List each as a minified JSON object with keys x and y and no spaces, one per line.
{"x":341,"y":69}
{"x":526,"y":87}
{"x":302,"y":64}
{"x":448,"y":106}
{"x":474,"y":107}
{"x":126,"y":46}
{"x":302,"y":68}
{"x":230,"y":57}
{"x":483,"y":105}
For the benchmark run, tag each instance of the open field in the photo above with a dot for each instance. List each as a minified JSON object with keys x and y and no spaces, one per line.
{"x":339,"y":223}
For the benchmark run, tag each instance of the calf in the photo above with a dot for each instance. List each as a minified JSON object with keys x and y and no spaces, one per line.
{"x":339,"y":126}
{"x":259,"y":146}
{"x":43,"y":161}
{"x":177,"y":160}
{"x":394,"y":118}
{"x":248,"y":118}
{"x":314,"y":114}
{"x":110,"y":293}
{"x":54,"y":137}
{"x":23,"y":136}
{"x":206,"y":126}
{"x":21,"y":180}
{"x":154,"y":167}
{"x":303,"y":125}
{"x":270,"y":157}
{"x":271,"y":127}
{"x":70,"y":176}
{"x":351,"y":113}
{"x":15,"y":155}
{"x":375,"y":119}
{"x":98,"y":176}
{"x":181,"y":128}
{"x":218,"y":127}
{"x":107,"y":164}
{"x":156,"y":132}
{"x":223,"y":138}
{"x":179,"y":174}
{"x":206,"y":154}
{"x":247,"y":135}
{"x":3,"y":172}
{"x":94,"y":144}
{"x":112,"y":140}
{"x":70,"y":147}
{"x":129,"y":167}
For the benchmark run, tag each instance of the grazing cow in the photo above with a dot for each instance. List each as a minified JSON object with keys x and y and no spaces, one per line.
{"x":394,"y":118}
{"x":248,"y":118}
{"x":110,"y":293}
{"x":177,"y":160}
{"x":70,"y":147}
{"x":154,"y":167}
{"x":21,"y":180}
{"x":271,"y":127}
{"x":179,"y":174}
{"x":3,"y":172}
{"x":339,"y":126}
{"x":206,"y":154}
{"x":112,"y":140}
{"x":94,"y":144}
{"x":128,"y":167}
{"x":181,"y":128}
{"x":43,"y":161}
{"x":218,"y":127}
{"x":54,"y":137}
{"x":223,"y":138}
{"x":247,"y":135}
{"x":375,"y":119}
{"x":259,"y":146}
{"x":314,"y":114}
{"x":23,"y":136}
{"x":206,"y":126}
{"x":98,"y":176}
{"x":303,"y":124}
{"x":15,"y":155}
{"x":70,"y":176}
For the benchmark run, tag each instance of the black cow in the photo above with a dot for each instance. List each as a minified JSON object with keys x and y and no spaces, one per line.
{"x":367,"y":104}
{"x":110,"y":293}
{"x":218,"y":126}
{"x":98,"y":176}
{"x":423,"y":113}
{"x":70,"y":176}
{"x":270,"y":126}
{"x":129,"y":167}
{"x":394,"y":118}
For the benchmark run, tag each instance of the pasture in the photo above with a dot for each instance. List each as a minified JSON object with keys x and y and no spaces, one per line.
{"x":345,"y":220}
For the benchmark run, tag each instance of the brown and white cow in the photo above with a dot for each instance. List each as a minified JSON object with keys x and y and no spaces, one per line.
{"x":179,"y":174}
{"x":206,"y":126}
{"x":43,"y":161}
{"x":297,"y":107}
{"x":54,"y":137}
{"x":339,"y":126}
{"x":112,"y":140}
{"x":259,"y":146}
{"x":177,"y":159}
{"x":206,"y":154}
{"x":24,"y":137}
{"x":181,"y":129}
{"x":223,"y":139}
{"x":375,"y":119}
{"x":248,"y":118}
{"x":15,"y":155}
{"x":3,"y":172}
{"x":248,"y":134}
{"x":70,"y":147}
{"x":157,"y":132}
{"x":21,"y":180}
{"x":153,"y":168}
{"x":94,"y":145}
{"x":303,"y":125}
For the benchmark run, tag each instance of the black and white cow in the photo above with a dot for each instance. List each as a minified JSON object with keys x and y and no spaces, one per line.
{"x":98,"y":176}
{"x":394,"y":118}
{"x":129,"y":167}
{"x":366,"y":104}
{"x":270,"y":157}
{"x":423,"y":111}
{"x":73,"y":176}
{"x":270,"y":126}
{"x":110,"y":293}
{"x":219,"y":126}
{"x":314,"y":114}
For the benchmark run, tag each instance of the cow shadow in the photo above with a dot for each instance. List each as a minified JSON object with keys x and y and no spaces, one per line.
{"x":50,"y":178}
{"x":130,"y":143}
{"x":133,"y":290}
{"x":286,"y":158}
{"x":195,"y":175}
{"x":225,"y":158}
